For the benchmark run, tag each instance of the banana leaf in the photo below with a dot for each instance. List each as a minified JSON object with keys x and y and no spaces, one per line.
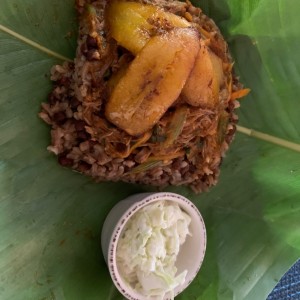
{"x":51,"y":218}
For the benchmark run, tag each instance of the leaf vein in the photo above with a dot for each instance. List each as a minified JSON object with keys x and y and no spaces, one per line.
{"x":269,"y":138}
{"x":33,"y":44}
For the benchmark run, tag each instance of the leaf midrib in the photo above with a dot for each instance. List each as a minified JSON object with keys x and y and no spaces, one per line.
{"x":249,"y":132}
{"x":33,"y":44}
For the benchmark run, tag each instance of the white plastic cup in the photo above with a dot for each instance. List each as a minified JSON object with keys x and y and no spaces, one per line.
{"x":191,"y":253}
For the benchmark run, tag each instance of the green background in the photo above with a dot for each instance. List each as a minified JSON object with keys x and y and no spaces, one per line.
{"x":51,"y":218}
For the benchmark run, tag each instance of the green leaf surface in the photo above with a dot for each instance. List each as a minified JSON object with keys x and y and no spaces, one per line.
{"x":51,"y":218}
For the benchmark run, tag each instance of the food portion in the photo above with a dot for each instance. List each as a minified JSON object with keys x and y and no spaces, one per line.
{"x":207,"y":77}
{"x":153,"y":81}
{"x":150,"y":97}
{"x":148,"y":248}
{"x":132,"y":24}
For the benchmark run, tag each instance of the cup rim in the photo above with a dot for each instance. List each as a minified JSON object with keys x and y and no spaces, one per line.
{"x":118,"y":281}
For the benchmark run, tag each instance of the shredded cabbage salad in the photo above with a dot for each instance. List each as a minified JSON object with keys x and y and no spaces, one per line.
{"x":148,"y":248}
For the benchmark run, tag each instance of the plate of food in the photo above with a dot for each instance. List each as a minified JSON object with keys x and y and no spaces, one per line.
{"x":101,"y":100}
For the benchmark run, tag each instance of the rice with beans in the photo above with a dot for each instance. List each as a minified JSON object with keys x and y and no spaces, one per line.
{"x":85,"y":141}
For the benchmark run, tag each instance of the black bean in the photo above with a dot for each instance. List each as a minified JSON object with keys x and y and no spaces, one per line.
{"x":74,"y":102}
{"x":59,"y":117}
{"x":91,"y":43}
{"x":192,"y":168}
{"x":94,"y":83}
{"x":64,"y":161}
{"x":83,"y":166}
{"x":64,"y":81}
{"x":83,"y":136}
{"x":120,"y":147}
{"x":79,"y":125}
{"x":71,"y":65}
{"x":230,"y":107}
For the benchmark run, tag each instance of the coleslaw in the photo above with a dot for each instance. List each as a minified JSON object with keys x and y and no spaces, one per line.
{"x":148,"y":247}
